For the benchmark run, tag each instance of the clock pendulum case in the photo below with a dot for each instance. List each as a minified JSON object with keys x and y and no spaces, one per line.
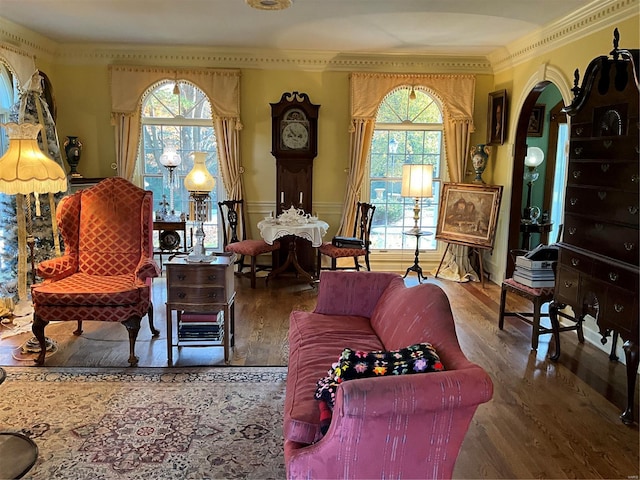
{"x":294,"y":144}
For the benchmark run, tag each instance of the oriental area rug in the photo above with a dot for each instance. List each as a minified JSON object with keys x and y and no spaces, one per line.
{"x":172,"y":423}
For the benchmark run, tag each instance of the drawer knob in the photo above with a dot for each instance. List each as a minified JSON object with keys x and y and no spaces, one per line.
{"x":576,"y":174}
{"x":599,"y":227}
{"x":568,"y":284}
{"x":634,"y":178}
{"x":613,"y":276}
{"x":604,"y":167}
{"x":572,"y":230}
{"x":573,"y":201}
{"x":607,"y":143}
{"x":602,"y":195}
{"x":212,"y":295}
{"x":618,"y":308}
{"x":211,"y":277}
{"x":633,"y":209}
{"x":181,"y":276}
{"x":628,"y":246}
{"x":579,"y":131}
{"x":182,"y":295}
{"x":578,"y":151}
{"x":575,"y":262}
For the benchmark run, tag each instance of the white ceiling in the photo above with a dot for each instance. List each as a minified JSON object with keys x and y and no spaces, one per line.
{"x":346,"y":26}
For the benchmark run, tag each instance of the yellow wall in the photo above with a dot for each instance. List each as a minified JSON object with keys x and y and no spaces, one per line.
{"x":82,"y":94}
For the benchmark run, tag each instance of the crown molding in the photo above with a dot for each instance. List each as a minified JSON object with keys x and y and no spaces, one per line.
{"x":267,"y":59}
{"x":596,"y":16}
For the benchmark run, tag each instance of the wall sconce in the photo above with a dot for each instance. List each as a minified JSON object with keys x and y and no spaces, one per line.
{"x":199,"y":183}
{"x":170,"y":160}
{"x":534,"y":158}
{"x":417,"y":182}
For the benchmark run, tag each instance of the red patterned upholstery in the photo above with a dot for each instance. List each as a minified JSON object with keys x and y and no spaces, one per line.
{"x":107,"y":267}
{"x":251,"y":247}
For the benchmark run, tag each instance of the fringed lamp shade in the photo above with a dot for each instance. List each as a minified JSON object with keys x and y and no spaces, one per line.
{"x":24,"y":168}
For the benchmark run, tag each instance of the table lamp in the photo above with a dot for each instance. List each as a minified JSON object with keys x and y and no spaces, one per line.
{"x":25,"y":169}
{"x":417,"y":182}
{"x":534,"y":158}
{"x":199,"y":183}
{"x":170,"y":160}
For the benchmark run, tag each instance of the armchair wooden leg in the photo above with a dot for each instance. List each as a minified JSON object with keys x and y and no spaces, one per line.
{"x":355,"y":261}
{"x":133,"y":327}
{"x":38,"y":330}
{"x":78,"y":331}
{"x":318,"y":264}
{"x":154,"y":331}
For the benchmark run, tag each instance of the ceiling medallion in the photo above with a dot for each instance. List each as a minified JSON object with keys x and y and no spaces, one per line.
{"x":269,"y":4}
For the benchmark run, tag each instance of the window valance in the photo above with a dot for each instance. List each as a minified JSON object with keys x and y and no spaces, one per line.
{"x":18,"y":62}
{"x":128,"y":84}
{"x":455,"y":91}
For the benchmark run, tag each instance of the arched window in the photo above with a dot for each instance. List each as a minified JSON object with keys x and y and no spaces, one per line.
{"x":178,"y":115}
{"x":408,"y":130}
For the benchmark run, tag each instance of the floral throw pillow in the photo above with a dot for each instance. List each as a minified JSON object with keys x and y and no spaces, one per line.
{"x":352,"y":364}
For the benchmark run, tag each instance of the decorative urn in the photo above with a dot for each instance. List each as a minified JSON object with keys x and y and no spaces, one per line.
{"x":479,"y":158}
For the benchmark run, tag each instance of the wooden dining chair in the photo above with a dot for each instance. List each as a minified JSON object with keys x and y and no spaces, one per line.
{"x":361,"y":231}
{"x":233,"y":218}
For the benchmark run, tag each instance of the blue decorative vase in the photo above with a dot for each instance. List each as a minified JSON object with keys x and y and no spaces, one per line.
{"x":479,"y":159}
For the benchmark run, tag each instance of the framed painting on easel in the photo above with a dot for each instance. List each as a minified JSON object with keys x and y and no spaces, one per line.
{"x":468,"y":214}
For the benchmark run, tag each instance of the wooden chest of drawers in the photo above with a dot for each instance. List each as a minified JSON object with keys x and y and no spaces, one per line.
{"x":203,"y":288}
{"x":598,"y":259}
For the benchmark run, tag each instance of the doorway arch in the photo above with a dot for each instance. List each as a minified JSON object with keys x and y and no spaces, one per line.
{"x":545,"y":77}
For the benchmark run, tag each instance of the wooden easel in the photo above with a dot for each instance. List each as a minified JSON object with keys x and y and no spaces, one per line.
{"x":474,"y":249}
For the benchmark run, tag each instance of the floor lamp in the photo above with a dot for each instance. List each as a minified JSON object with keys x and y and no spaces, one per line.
{"x":417,"y":182}
{"x":25,"y":169}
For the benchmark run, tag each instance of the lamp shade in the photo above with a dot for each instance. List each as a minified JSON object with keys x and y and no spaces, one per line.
{"x":24,"y":168}
{"x":170,"y":157}
{"x":199,"y":179}
{"x":534,"y":158}
{"x":417,"y":181}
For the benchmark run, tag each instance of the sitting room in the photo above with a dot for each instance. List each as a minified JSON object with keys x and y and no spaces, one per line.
{"x":319,"y":239}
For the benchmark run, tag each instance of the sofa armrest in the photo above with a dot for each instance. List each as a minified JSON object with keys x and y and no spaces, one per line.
{"x":352,"y":293}
{"x":59,"y":267}
{"x":409,"y":426}
{"x":413,"y":394}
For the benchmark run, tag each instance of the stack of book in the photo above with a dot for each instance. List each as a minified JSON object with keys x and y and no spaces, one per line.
{"x":534,"y":273}
{"x":198,"y":327}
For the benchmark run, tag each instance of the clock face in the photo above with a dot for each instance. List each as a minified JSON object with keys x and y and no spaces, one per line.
{"x":295,"y":136}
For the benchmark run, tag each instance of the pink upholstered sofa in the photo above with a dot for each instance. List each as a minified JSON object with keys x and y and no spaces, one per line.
{"x":403,"y":426}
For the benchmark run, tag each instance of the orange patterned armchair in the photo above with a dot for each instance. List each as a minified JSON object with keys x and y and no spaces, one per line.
{"x":106,"y":270}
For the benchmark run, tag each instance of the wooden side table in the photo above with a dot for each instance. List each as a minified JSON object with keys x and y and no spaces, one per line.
{"x":416,"y":262}
{"x":203,"y":288}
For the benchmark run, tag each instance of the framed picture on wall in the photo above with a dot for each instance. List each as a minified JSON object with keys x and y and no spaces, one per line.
{"x":468,"y":214}
{"x":496,"y":122}
{"x":536,"y":121}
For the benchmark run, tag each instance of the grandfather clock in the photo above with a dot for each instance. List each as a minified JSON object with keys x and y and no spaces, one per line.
{"x":294,"y":144}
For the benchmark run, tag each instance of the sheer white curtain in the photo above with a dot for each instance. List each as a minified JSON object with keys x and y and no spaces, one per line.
{"x":456,"y":92}
{"x":222,"y":87}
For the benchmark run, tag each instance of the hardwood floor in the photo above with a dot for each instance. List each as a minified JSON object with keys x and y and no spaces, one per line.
{"x":546,"y":419}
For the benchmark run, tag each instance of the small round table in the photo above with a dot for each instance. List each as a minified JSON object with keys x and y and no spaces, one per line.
{"x":18,"y":453}
{"x":416,"y":262}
